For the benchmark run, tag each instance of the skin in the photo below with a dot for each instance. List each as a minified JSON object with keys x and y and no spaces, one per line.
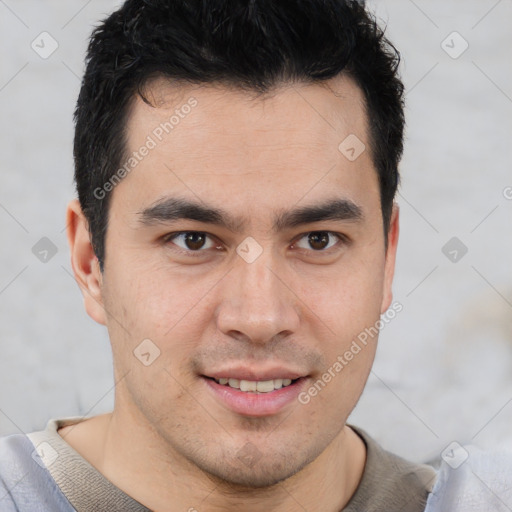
{"x":169,"y":440}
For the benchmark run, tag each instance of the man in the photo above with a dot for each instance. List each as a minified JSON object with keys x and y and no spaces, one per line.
{"x":235,"y":231}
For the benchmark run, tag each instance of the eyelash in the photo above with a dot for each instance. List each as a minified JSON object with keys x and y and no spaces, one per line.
{"x":342,"y":240}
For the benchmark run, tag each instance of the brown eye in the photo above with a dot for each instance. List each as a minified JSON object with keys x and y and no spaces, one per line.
{"x":318,"y":240}
{"x":192,"y":241}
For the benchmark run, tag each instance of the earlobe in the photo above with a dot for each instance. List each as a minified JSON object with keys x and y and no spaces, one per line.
{"x":393,"y":232}
{"x":84,"y":262}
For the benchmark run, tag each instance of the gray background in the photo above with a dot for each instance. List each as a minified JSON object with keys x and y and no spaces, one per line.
{"x":444,"y":366}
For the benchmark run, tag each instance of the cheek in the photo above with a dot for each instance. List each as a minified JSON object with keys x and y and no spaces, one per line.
{"x":346,"y":306}
{"x":152,"y":298}
{"x":335,"y":390}
{"x":332,"y":395}
{"x":171,"y":309}
{"x":347,"y":299}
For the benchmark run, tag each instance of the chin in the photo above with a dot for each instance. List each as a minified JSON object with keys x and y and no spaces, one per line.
{"x":252,"y":469}
{"x":241,"y":477}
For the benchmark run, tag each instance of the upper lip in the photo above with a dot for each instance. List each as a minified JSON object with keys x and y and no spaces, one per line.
{"x":254,"y":374}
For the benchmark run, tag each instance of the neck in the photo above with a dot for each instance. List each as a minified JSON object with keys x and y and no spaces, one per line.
{"x":136,"y":459}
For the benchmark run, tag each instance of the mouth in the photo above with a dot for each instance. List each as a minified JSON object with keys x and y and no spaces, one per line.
{"x":254,"y":398}
{"x":254,"y":386}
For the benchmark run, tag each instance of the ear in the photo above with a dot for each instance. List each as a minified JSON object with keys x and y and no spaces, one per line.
{"x":389,"y":269}
{"x":84,"y":262}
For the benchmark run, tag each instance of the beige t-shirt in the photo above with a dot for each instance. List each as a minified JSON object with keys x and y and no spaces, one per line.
{"x":389,"y":483}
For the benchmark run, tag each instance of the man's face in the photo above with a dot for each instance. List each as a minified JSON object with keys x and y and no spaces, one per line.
{"x":275,"y":284}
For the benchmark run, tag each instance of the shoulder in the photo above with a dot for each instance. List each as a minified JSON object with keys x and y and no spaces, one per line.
{"x":25,"y":483}
{"x":390,"y":482}
{"x":473,"y":480}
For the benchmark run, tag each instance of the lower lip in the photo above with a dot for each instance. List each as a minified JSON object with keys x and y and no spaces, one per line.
{"x":256,"y":404}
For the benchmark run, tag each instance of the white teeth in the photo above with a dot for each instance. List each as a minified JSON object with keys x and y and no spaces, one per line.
{"x":264,"y":386}
{"x":261,"y":386}
{"x":248,"y":385}
{"x":234,"y":383}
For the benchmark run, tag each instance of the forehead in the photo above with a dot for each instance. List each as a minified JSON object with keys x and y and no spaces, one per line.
{"x":238,"y":146}
{"x":320,"y":112}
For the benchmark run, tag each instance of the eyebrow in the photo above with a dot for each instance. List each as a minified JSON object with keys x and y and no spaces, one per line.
{"x":172,"y":208}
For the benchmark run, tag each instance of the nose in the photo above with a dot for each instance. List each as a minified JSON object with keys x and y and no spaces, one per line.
{"x":257,"y":303}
